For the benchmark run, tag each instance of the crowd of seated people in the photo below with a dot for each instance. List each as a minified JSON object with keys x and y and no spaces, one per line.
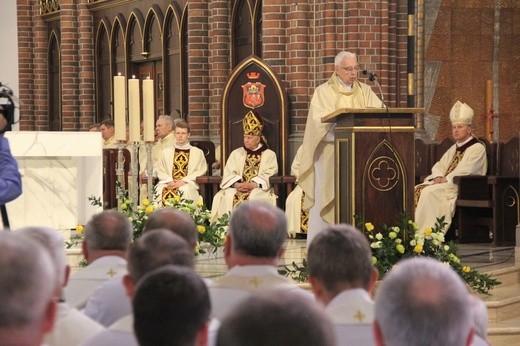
{"x":421,"y":302}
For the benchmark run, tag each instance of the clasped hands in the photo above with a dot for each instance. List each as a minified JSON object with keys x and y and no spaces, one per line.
{"x":439,"y":180}
{"x":245,"y":186}
{"x":175,"y":184}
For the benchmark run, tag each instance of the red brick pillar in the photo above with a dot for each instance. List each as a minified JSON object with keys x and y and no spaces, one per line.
{"x":219,"y":60}
{"x":87,"y":86}
{"x":298,"y":65}
{"x":198,"y":67}
{"x":29,"y":26}
{"x":69,"y":66}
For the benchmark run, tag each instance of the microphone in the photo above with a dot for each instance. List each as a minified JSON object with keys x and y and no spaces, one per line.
{"x":373,"y":77}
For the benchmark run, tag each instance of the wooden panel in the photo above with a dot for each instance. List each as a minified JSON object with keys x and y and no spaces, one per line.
{"x":375,"y":153}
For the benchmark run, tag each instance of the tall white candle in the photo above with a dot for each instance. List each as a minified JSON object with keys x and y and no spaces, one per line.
{"x":148,"y":110}
{"x":134,"y":109}
{"x":120,"y":107}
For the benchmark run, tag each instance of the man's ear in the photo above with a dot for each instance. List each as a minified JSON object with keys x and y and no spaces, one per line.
{"x":281,"y":252}
{"x":67,"y":275}
{"x":228,"y":244}
{"x":50,"y":316}
{"x":373,"y":280}
{"x":129,"y":285}
{"x":84,"y":249}
{"x":378,"y":336}
{"x":203,"y":335}
{"x":317,"y":289}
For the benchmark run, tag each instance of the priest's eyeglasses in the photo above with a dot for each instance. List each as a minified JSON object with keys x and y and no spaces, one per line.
{"x":350,"y":68}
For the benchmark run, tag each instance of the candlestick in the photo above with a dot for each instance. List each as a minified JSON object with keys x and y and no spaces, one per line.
{"x":134,"y":109}
{"x":120,"y":107}
{"x":148,"y":110}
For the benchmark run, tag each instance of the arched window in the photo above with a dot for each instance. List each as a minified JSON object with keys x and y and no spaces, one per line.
{"x":54,"y":91}
{"x":246,"y":30}
{"x":176,"y":48}
{"x":103,"y":75}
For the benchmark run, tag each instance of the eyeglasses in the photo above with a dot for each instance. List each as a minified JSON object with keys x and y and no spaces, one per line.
{"x":350,"y":68}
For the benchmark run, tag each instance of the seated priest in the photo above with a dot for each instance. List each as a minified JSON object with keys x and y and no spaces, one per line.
{"x":297,"y":219}
{"x":178,"y":168}
{"x":436,"y":196}
{"x":247,"y":171}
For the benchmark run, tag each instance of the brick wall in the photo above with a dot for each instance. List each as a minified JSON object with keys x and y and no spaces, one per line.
{"x":300,"y":40}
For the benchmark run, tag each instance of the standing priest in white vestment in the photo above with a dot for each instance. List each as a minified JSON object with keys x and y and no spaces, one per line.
{"x":342,"y":90}
{"x":247,"y":171}
{"x":297,"y":219}
{"x":179,"y":166}
{"x":436,"y":196}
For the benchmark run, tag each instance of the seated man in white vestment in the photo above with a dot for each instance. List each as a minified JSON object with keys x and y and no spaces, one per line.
{"x":254,"y":245}
{"x":107,"y":237}
{"x":247,"y":171}
{"x":110,"y":302}
{"x":153,"y":250}
{"x":27,"y":288}
{"x":436,"y":196}
{"x":179,"y":167}
{"x":71,"y":327}
{"x":339,"y":263}
{"x":164,"y":138}
{"x":297,"y":218}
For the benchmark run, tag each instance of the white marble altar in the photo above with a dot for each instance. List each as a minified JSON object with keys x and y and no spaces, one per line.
{"x":60,"y":170}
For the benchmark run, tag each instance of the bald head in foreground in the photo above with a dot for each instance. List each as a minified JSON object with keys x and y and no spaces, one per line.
{"x":423,"y":302}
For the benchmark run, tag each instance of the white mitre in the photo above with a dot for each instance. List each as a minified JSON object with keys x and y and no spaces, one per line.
{"x":461,"y":113}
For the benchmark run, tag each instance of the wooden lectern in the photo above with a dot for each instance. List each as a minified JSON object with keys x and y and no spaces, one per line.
{"x":374,"y":173}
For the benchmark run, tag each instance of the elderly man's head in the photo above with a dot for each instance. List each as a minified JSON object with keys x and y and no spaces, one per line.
{"x":27,"y":289}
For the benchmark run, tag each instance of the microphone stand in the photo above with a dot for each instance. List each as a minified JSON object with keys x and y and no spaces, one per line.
{"x":373,"y":77}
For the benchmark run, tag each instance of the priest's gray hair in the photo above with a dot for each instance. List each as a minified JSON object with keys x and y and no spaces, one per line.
{"x":169,"y":120}
{"x":52,"y":241}
{"x":258,"y":229}
{"x":108,"y":230}
{"x":27,"y":281}
{"x":331,"y":249}
{"x":423,"y":302}
{"x":342,"y":55}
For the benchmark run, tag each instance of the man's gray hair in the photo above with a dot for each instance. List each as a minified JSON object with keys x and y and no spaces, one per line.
{"x":175,"y":220}
{"x":52,"y":241}
{"x":342,"y":55}
{"x":108,"y":230}
{"x":27,"y":281}
{"x":258,"y":229}
{"x":422,"y":301}
{"x":329,"y":252}
{"x":169,"y":120}
{"x":158,"y":248}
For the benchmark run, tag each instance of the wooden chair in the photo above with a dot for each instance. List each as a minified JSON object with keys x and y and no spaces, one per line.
{"x":207,"y":183}
{"x":110,"y":176}
{"x":423,"y":158}
{"x":270,"y":102}
{"x":488,"y":207}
